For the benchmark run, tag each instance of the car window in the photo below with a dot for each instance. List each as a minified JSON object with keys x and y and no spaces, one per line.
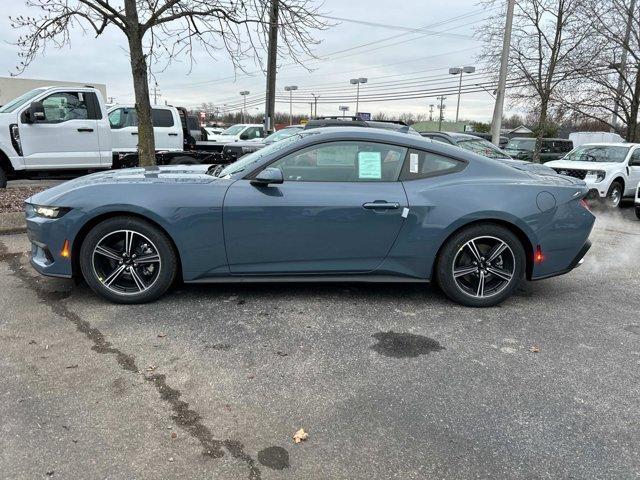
{"x":482,"y":147}
{"x":234,"y":130}
{"x":162,"y":117}
{"x":21,"y":100}
{"x":441,"y":140}
{"x":523,"y":144}
{"x":343,"y":162}
{"x":282,"y":134}
{"x":598,"y":153}
{"x":420,"y":164}
{"x":123,"y":117}
{"x":252,"y":133}
{"x":64,"y":106}
{"x":116,"y":118}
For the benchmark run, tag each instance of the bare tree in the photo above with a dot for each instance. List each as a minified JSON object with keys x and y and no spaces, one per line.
{"x":609,"y":88}
{"x":548,"y":46}
{"x":163,"y":30}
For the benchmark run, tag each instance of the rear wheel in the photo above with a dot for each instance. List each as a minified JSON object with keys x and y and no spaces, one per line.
{"x":128,"y":260}
{"x":614,"y":195}
{"x":481,"y":265}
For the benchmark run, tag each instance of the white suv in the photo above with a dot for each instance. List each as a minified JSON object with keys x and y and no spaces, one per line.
{"x":611,"y":170}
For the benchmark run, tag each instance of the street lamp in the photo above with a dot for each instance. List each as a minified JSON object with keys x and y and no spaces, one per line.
{"x":460,"y":71}
{"x":315,"y":103}
{"x":357,"y":81}
{"x":290,"y":89}
{"x":343,"y":109}
{"x":244,"y":94}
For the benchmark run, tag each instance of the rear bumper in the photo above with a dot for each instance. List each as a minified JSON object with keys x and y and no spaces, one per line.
{"x":576,"y":262}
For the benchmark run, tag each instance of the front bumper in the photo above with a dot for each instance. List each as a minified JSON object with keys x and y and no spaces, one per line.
{"x":47,"y":237}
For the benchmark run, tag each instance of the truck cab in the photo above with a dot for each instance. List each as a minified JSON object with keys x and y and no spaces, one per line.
{"x":167,"y":128}
{"x":53,"y":129}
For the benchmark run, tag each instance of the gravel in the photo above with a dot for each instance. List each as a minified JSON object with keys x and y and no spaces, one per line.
{"x":12,"y":199}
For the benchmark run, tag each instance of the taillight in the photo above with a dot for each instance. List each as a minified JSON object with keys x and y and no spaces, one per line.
{"x":584,"y":204}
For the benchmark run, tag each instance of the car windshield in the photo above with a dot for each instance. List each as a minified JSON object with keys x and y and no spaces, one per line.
{"x":247,"y":160}
{"x":524,"y":144}
{"x":21,"y":100}
{"x":482,"y":147}
{"x":234,"y":130}
{"x":598,"y":153}
{"x":282,"y":134}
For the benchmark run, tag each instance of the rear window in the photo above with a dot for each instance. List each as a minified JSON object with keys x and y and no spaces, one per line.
{"x":162,"y":117}
{"x":419,"y":164}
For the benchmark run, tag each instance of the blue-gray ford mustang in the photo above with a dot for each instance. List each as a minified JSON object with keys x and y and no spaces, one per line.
{"x":354,"y":204}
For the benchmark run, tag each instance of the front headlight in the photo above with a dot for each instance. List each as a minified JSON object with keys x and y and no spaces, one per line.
{"x":50,"y":212}
{"x":598,"y":174}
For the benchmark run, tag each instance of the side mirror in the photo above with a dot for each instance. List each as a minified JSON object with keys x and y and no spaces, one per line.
{"x":35,"y":113}
{"x":268,"y":176}
{"x":244,"y":136}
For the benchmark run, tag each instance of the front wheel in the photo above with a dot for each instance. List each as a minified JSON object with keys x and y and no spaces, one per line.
{"x":614,"y":195}
{"x":128,"y":260}
{"x":481,"y":265}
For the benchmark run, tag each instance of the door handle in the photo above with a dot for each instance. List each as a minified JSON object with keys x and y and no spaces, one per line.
{"x":134,"y":133}
{"x":381,"y":205}
{"x":173,"y":134}
{"x":85,"y":129}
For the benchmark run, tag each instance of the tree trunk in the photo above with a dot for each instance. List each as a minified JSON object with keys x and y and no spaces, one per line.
{"x":632,"y":125}
{"x":146,"y":140}
{"x":542,"y":127}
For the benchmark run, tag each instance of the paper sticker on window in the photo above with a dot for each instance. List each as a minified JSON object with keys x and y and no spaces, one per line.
{"x":413,"y":163}
{"x":370,"y":165}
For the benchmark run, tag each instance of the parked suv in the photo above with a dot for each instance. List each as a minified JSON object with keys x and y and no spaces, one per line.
{"x":522,"y":148}
{"x":611,"y":170}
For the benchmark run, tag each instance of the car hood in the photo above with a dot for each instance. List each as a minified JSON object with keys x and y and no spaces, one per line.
{"x":580,"y":165}
{"x":168,"y":174}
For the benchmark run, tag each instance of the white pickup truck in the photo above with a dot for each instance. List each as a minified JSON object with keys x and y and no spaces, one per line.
{"x":67,"y":129}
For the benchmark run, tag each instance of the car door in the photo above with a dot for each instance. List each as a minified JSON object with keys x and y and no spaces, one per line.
{"x":124,"y":129}
{"x":339,"y":210}
{"x":166,"y":129}
{"x":68,"y":135}
{"x":633,"y":172}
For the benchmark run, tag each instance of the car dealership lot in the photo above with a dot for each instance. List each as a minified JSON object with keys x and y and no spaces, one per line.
{"x":390,"y":381}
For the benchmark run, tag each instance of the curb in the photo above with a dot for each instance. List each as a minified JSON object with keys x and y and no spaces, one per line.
{"x":12,"y":223}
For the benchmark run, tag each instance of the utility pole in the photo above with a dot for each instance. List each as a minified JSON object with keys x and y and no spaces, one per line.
{"x":496,"y":123}
{"x":431,"y":107}
{"x":272,"y":59}
{"x":441,"y":107}
{"x":623,"y":67}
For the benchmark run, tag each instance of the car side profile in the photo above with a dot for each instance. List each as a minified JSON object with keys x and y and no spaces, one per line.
{"x":348,"y":204}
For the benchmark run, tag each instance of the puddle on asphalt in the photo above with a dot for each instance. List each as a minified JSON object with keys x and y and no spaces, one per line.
{"x":276,"y":458}
{"x":404,"y":345}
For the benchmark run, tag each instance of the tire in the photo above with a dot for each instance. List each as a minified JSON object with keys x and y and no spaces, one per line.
{"x":143,"y":275}
{"x":614,"y":195}
{"x":637,"y":212}
{"x":3,"y":178}
{"x":457,"y":254}
{"x":183,"y":161}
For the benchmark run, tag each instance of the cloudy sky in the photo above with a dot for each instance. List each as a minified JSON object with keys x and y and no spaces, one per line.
{"x":404,"y":49}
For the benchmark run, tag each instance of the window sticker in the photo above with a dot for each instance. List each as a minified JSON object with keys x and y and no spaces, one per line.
{"x":370,"y":165}
{"x":413,"y":163}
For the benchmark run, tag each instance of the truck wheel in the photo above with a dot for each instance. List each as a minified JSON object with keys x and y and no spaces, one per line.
{"x":3,"y":178}
{"x":614,"y":195}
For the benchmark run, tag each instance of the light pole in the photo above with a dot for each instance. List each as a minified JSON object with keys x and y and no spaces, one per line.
{"x":244,"y":94}
{"x":315,"y":104}
{"x":357,"y":82}
{"x":460,"y":71}
{"x":290,"y":89}
{"x":343,"y":109}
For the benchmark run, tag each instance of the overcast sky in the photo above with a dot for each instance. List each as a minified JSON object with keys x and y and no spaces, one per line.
{"x":397,"y":61}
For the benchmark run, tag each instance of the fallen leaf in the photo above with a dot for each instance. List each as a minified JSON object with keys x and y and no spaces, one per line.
{"x":32,"y":342}
{"x":174,"y":435}
{"x":151,"y":368}
{"x":300,"y":436}
{"x":162,"y":335}
{"x":534,"y":349}
{"x":72,"y":366}
{"x":282,"y":354}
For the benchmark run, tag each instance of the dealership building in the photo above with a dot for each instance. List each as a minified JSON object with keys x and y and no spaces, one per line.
{"x":12,"y":87}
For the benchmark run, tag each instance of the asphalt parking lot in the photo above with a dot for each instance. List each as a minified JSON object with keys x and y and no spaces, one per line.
{"x":390,"y":381}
